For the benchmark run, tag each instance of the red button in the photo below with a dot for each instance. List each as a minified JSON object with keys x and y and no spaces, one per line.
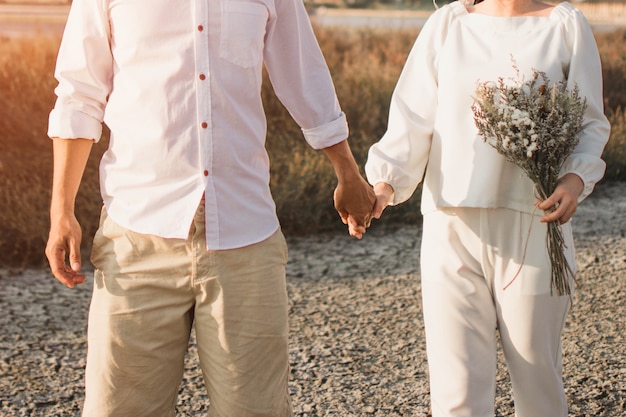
{"x":206,"y":173}
{"x":200,"y":28}
{"x":202,"y":77}
{"x":204,"y":125}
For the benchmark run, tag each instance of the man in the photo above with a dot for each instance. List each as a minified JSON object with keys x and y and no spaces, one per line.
{"x":188,"y":234}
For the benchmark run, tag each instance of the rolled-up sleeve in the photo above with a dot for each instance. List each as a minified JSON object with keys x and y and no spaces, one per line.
{"x":585,"y":71}
{"x":84,"y":70}
{"x":300,"y":76}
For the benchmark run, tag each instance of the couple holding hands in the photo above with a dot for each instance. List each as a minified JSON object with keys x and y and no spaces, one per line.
{"x":189,"y":236}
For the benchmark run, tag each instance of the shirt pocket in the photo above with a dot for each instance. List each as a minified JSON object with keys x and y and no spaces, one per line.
{"x":243,"y":32}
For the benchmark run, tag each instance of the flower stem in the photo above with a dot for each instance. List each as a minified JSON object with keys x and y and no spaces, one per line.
{"x":555,"y":244}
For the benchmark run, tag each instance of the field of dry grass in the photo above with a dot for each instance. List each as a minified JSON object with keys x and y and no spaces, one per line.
{"x":365,"y":66}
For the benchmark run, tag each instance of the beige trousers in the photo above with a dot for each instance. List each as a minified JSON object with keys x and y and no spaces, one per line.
{"x":468,"y":256}
{"x":150,"y":291}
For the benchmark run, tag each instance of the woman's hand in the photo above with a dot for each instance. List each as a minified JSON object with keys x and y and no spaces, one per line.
{"x":564,"y":199}
{"x":384,"y":196}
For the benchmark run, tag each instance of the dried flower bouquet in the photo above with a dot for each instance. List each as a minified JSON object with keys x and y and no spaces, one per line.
{"x":535,"y":125}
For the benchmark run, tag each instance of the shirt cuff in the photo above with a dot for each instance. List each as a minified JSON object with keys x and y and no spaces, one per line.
{"x":590,"y":170}
{"x":73,"y":125}
{"x":327,"y":135}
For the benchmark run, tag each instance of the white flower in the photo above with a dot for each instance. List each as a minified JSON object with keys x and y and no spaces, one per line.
{"x":530,"y":150}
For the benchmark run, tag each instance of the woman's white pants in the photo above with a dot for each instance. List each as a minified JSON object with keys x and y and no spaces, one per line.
{"x":468,"y":256}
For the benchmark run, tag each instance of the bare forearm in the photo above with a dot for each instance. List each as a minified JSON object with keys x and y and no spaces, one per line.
{"x":63,"y":247}
{"x":343,"y":162}
{"x":70,"y":159}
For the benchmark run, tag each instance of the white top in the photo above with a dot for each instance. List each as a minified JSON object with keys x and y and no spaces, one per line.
{"x":431,"y":124}
{"x":178,"y":83}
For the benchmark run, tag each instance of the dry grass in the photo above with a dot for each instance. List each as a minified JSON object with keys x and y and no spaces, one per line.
{"x":365,"y":66}
{"x":26,"y":97}
{"x":606,"y":11}
{"x":612,"y":48}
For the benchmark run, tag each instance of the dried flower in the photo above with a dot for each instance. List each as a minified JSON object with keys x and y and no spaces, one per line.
{"x":535,"y":125}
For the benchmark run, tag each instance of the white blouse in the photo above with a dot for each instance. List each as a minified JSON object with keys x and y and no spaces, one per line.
{"x":431,"y":134}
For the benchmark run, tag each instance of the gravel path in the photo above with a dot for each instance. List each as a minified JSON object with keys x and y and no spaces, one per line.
{"x":357,"y":344}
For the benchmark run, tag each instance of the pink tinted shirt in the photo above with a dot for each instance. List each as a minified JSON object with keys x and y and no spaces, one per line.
{"x":178,"y":84}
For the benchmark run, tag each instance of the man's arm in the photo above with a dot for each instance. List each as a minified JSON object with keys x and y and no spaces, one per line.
{"x":302,"y":82}
{"x":354,"y":198}
{"x":70,"y":159}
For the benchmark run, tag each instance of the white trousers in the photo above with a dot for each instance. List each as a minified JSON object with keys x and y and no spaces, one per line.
{"x":468,"y":256}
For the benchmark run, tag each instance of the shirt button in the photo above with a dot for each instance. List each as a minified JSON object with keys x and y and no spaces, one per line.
{"x":206,"y":173}
{"x":200,"y":28}
{"x":202,"y":77}
{"x":204,"y":125}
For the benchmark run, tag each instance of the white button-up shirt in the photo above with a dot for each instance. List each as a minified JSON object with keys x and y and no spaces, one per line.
{"x":178,"y":84}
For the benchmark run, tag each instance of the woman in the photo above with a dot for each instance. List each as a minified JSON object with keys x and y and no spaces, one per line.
{"x":478,"y":209}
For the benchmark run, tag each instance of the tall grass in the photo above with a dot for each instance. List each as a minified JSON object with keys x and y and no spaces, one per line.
{"x":612,"y":48}
{"x":26,"y":97}
{"x":365,"y":66}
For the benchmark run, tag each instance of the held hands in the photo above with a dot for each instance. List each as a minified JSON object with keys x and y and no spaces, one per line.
{"x":64,"y":242}
{"x":564,"y":199}
{"x":354,"y":201}
{"x":365,"y":203}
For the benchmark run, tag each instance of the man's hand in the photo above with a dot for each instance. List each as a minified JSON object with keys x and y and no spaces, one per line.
{"x":64,"y":245}
{"x":70,"y":158}
{"x":354,"y":201}
{"x":564,"y":199}
{"x":354,"y":198}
